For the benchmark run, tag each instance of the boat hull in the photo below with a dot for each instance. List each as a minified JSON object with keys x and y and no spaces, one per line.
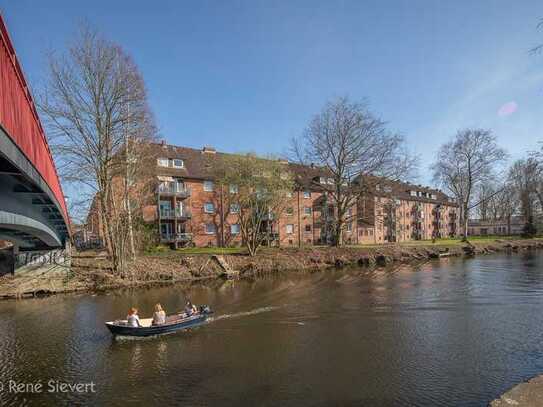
{"x":123,"y":330}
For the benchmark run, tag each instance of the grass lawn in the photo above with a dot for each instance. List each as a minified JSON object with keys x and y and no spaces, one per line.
{"x":446,"y":241}
{"x":164,"y":250}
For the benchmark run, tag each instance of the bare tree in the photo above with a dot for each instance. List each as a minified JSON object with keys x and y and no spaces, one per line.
{"x":507,"y":204}
{"x":466,"y":162}
{"x":485,"y":202}
{"x":259,"y":188}
{"x":95,"y":108}
{"x":523,"y":177}
{"x":352,"y":146}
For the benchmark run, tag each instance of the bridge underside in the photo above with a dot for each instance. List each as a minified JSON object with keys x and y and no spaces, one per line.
{"x":30,"y":215}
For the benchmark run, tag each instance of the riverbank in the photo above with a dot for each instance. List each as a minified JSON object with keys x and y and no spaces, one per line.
{"x":91,"y":271}
{"x":528,"y":394}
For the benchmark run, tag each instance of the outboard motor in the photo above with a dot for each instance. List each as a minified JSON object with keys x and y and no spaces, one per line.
{"x":204,"y":309}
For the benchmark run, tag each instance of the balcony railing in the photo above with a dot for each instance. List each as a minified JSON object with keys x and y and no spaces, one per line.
{"x":173,"y":237}
{"x":175,"y":214}
{"x":173,"y":188}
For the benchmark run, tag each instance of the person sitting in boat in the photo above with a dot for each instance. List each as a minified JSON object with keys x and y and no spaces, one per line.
{"x":190,"y":308}
{"x":159,"y":317}
{"x":133,"y":319}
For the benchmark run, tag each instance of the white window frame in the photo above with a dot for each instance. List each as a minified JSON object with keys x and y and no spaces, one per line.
{"x":206,"y":206}
{"x":237,"y":208}
{"x":307,"y":210}
{"x":233,"y":227}
{"x":162,"y":160}
{"x":209,"y":186}
{"x":233,"y":188}
{"x":207,"y":230}
{"x":289,"y":194}
{"x":174,"y":165}
{"x":307,"y":194}
{"x":289,"y":229}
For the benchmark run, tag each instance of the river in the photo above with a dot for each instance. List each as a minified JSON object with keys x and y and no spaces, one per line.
{"x":451,"y":332}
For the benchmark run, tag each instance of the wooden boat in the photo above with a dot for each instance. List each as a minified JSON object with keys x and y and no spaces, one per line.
{"x":174,"y":323}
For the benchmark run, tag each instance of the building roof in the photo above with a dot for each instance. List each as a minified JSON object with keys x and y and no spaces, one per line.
{"x":198,"y":164}
{"x":403,"y":190}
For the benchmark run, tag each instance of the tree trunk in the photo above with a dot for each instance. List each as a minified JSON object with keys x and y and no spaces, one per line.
{"x":466,"y":220}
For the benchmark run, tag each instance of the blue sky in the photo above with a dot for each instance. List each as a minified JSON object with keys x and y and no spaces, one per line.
{"x":249,"y":75}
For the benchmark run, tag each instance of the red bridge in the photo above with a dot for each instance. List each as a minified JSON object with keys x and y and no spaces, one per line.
{"x":33,"y":213}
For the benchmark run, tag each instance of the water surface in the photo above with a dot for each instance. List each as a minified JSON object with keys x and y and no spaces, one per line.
{"x":451,"y":332}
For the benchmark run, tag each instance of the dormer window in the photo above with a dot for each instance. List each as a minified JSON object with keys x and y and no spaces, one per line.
{"x":208,"y":186}
{"x":330,"y":181}
{"x":170,"y":162}
{"x":322,"y":180}
{"x":413,"y":193}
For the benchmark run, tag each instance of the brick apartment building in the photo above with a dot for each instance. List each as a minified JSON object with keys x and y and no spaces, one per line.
{"x":189,"y":208}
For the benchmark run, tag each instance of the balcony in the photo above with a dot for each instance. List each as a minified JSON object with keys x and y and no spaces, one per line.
{"x":178,"y":213}
{"x":176,"y":237}
{"x":173,"y":188}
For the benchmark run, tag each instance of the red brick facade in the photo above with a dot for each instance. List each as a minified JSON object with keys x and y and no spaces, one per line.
{"x":188,"y":208}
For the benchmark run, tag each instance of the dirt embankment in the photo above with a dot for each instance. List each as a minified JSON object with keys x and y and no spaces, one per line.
{"x":93,"y":272}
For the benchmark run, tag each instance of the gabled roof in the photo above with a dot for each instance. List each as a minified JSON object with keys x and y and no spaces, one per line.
{"x":198,"y":164}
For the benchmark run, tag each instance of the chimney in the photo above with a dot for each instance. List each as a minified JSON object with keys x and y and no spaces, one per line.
{"x":163,"y":143}
{"x":209,"y":150}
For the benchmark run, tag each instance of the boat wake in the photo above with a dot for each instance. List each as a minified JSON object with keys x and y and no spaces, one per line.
{"x":241,"y":314}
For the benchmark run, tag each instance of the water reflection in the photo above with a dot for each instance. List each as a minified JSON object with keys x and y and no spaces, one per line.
{"x":450,"y":332}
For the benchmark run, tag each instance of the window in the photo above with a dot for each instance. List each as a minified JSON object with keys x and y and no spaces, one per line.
{"x":162,"y":162}
{"x":210,"y":228}
{"x":234,"y":208}
{"x":307,"y":194}
{"x":307,"y":210}
{"x":289,"y":194}
{"x":290,"y":211}
{"x":177,"y":163}
{"x":322,"y":180}
{"x":234,"y":189}
{"x":208,"y":186}
{"x":434,"y":196}
{"x":308,"y":228}
{"x":349,"y":226}
{"x":330,"y":181}
{"x":413,"y":193}
{"x":209,"y":207}
{"x":234,"y":229}
{"x":290,"y":229}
